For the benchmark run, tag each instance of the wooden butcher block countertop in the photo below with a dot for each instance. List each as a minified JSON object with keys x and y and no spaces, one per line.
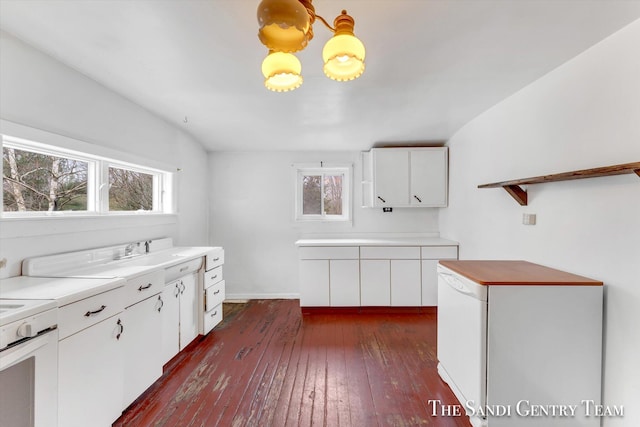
{"x":516,"y":273}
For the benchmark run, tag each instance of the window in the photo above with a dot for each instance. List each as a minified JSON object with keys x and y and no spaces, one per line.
{"x":39,"y":179}
{"x":323,"y":193}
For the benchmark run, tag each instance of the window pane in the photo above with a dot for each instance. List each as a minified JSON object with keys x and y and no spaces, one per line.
{"x":39,"y":182}
{"x":130,"y":191}
{"x":311,"y":195}
{"x":333,"y":195}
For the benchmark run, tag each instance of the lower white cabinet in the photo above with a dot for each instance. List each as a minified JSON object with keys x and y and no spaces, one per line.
{"x":142,"y":345}
{"x":348,"y":276}
{"x":179,"y":315}
{"x":314,"y":280}
{"x":91,"y":375}
{"x":430,"y":257}
{"x":344,"y":283}
{"x":406,"y":285}
{"x":375,"y":284}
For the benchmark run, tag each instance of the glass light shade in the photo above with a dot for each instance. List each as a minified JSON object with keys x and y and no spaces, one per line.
{"x":343,"y":57}
{"x":284,"y":25}
{"x":281,"y":72}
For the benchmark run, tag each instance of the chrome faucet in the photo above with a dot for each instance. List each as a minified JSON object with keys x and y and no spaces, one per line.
{"x":146,"y":246}
{"x":128,"y":250}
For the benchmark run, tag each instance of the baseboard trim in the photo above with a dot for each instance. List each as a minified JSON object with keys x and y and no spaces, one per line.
{"x":369,"y":310}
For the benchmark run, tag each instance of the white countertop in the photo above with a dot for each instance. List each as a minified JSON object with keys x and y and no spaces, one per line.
{"x":381,"y":241}
{"x":63,"y":290}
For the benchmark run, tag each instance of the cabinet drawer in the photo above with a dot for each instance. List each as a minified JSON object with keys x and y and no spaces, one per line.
{"x":390,"y":252}
{"x":328,"y":252}
{"x":84,"y":313}
{"x":212,"y":277}
{"x":212,"y":318}
{"x":439,"y":252}
{"x":214,"y":258}
{"x":141,"y":287}
{"x":214,"y":296}
{"x":172,"y":273}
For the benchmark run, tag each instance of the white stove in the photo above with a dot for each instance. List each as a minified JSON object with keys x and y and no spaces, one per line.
{"x":21,"y":320}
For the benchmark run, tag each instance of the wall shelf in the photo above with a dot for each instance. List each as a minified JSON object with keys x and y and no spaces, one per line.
{"x":513,"y":187}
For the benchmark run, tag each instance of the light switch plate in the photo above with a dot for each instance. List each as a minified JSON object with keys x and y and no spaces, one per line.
{"x":529,"y":219}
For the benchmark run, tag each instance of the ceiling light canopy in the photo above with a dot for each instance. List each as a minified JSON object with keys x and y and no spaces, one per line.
{"x":286,"y":26}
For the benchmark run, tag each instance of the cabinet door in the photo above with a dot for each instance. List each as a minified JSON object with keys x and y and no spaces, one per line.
{"x":428,"y":181}
{"x":344,"y":278}
{"x":429,"y":282}
{"x":90,"y":375}
{"x":391,"y":177}
{"x":314,"y":283}
{"x":188,"y":310}
{"x":375,"y":282}
{"x":405,"y":283}
{"x":142,"y":347}
{"x":170,"y":321}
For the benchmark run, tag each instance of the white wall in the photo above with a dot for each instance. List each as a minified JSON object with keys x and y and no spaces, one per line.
{"x":41,"y":93}
{"x":252,"y":201}
{"x":584,"y":114}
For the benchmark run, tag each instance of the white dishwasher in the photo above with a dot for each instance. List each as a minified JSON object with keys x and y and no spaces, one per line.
{"x":462,"y":336}
{"x":520,"y":344}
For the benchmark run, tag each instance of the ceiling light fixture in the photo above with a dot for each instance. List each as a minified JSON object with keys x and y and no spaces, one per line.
{"x":286,"y":26}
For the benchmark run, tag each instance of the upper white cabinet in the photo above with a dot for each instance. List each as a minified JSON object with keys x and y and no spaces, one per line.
{"x":405,"y":177}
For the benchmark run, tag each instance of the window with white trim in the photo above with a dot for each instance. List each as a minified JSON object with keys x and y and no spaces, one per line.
{"x":323,"y":193}
{"x":40,"y":179}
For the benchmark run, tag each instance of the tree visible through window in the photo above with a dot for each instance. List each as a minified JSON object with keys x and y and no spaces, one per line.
{"x":322,"y":193}
{"x":40,"y":182}
{"x":130,"y":190}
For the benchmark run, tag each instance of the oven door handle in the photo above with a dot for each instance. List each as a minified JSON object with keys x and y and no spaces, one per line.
{"x":20,"y":352}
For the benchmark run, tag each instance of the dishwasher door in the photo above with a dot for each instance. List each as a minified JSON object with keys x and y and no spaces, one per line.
{"x":462,"y":337}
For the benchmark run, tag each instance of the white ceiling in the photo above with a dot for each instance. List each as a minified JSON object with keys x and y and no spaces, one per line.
{"x":432,"y":66}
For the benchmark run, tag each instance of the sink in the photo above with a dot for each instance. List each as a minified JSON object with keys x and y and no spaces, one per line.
{"x":153,"y":259}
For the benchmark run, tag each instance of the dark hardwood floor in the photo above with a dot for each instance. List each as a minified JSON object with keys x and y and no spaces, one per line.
{"x":269,"y":365}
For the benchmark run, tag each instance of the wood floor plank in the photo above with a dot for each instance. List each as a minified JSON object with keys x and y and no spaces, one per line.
{"x":268,"y":365}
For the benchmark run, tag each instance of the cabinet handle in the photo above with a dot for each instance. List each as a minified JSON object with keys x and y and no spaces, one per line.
{"x":213,"y":277}
{"x":217,"y":292}
{"x":216,"y":259}
{"x":417,"y":198}
{"x":383,"y":200}
{"x":182,"y":288}
{"x":119,"y":323}
{"x":161,"y":303}
{"x":91,"y":313}
{"x":144,"y":288}
{"x":186,"y":267}
{"x":177,"y":290}
{"x":214,"y":313}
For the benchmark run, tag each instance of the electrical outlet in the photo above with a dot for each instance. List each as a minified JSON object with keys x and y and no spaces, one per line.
{"x":529,"y":219}
{"x":387,"y":209}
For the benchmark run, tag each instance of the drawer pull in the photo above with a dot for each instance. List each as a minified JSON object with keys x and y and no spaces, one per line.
{"x":161,"y":303}
{"x":186,"y":267}
{"x":119,"y":323}
{"x":91,"y":313}
{"x":217,"y":292}
{"x":216,"y":259}
{"x":144,"y":288}
{"x":383,"y":200}
{"x":417,"y":198}
{"x":213,"y":277}
{"x":215,"y":313}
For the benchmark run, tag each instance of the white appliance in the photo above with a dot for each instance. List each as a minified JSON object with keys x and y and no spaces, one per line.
{"x":520,"y":344}
{"x":28,"y":363}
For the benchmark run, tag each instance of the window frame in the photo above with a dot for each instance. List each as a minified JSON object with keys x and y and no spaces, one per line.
{"x":97,"y":181}
{"x":307,"y":169}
